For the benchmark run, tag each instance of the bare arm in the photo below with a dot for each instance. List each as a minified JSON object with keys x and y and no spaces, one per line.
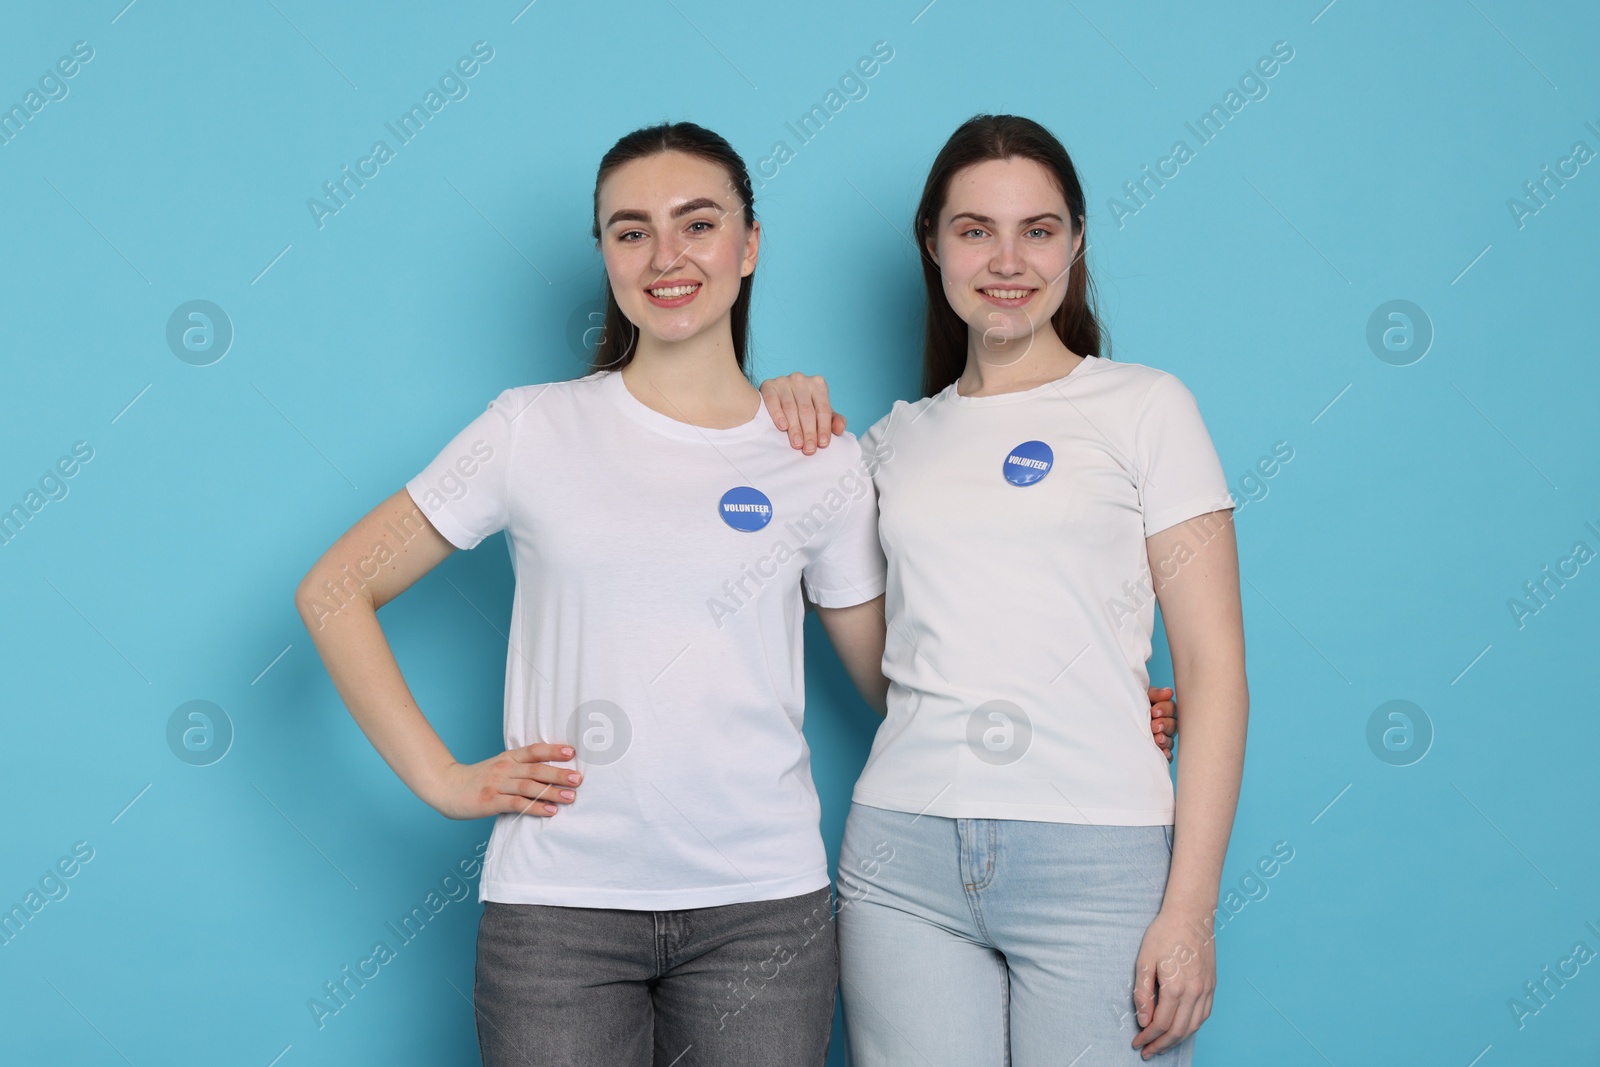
{"x":1196,"y":565}
{"x":338,"y":601}
{"x":857,"y":634}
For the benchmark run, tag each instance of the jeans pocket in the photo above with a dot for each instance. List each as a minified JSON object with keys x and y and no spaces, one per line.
{"x":1167,"y":832}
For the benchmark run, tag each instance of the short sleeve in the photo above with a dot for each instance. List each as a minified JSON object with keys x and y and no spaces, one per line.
{"x":874,"y":440}
{"x":463,"y":491}
{"x":1179,"y":474}
{"x":850,"y":569}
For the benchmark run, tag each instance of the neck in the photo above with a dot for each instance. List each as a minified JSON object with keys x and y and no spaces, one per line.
{"x":696,"y":380}
{"x":1014,"y":365}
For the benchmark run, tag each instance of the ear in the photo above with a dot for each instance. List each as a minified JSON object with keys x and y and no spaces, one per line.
{"x":752,"y":250}
{"x":932,"y":248}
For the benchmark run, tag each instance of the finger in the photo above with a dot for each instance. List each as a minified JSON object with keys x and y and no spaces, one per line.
{"x":1184,"y":1023}
{"x":1165,"y":726}
{"x":542,"y":752}
{"x":1164,"y":709}
{"x":1144,"y":994}
{"x":1167,"y":1002}
{"x":518,"y":805}
{"x":1156,"y":693}
{"x":1150,"y":1034}
{"x":808,"y":421}
{"x":546,"y":774}
{"x":1182,"y":1017}
{"x":791,"y":410}
{"x":769,"y":396}
{"x":838,"y":423}
{"x":1159,"y":1018}
{"x":824,"y":414}
{"x":539,"y":791}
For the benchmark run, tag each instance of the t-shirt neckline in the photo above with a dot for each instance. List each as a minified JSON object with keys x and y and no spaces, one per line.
{"x":651,"y":419}
{"x":1087,"y":366}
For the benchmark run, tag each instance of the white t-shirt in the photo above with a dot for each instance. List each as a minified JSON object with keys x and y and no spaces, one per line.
{"x":656,"y":627}
{"x":1019,"y":603}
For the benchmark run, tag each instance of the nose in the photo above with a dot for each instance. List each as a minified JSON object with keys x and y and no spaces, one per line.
{"x":668,"y":252}
{"x":1006,"y":259}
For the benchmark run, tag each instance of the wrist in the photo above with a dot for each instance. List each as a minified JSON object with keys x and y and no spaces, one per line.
{"x":1190,"y":907}
{"x":430,"y":783}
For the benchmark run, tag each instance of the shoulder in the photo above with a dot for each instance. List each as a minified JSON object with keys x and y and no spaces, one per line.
{"x":1138,"y":388}
{"x":517,"y":401}
{"x":901,"y":414}
{"x":841,"y":455}
{"x":1135,"y":378}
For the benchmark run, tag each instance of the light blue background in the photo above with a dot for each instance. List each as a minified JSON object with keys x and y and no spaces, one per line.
{"x":1378,"y":566}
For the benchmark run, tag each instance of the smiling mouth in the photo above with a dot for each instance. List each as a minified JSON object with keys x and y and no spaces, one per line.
{"x":997,"y":295}
{"x":672,"y":295}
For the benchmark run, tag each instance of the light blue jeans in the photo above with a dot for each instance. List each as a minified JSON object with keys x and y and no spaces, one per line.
{"x":992,"y":942}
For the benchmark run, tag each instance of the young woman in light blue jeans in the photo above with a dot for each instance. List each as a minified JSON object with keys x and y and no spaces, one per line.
{"x":1019,"y":884}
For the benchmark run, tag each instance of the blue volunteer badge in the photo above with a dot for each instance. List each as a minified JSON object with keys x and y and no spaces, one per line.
{"x":1029,"y":462}
{"x":745,"y":508}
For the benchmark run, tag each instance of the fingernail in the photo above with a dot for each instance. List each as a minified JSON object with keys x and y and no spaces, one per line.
{"x":567,"y":794}
{"x":550,"y":809}
{"x":567,"y":752}
{"x":574,"y":778}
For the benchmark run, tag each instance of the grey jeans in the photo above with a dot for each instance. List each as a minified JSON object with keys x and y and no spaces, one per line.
{"x":737,"y":984}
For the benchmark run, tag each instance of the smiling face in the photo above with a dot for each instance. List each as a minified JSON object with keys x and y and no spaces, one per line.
{"x":1004,"y":245}
{"x":675,"y":243}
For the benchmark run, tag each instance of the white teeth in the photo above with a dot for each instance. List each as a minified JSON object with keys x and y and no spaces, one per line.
{"x":1008,"y":294}
{"x":672,"y":292}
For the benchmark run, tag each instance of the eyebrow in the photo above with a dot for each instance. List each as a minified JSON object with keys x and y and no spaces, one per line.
{"x":686,"y":208}
{"x":987,"y":221}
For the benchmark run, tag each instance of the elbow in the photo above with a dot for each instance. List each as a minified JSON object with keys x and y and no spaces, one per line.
{"x":307,"y":600}
{"x":322,"y":595}
{"x":318,"y":598}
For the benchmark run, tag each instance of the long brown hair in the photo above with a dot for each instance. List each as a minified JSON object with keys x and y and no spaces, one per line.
{"x":618,"y":336}
{"x":978,"y":140}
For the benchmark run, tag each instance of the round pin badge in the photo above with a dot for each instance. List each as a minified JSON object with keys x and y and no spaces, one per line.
{"x":745,"y":508}
{"x":1029,"y":462}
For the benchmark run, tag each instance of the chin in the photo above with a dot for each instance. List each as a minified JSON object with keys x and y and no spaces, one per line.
{"x":674,"y":330}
